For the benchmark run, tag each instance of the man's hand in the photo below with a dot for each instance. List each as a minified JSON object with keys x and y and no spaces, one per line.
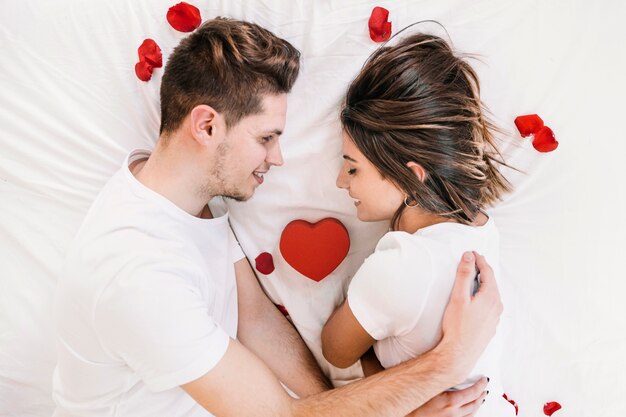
{"x":470,"y":322}
{"x":463,"y":403}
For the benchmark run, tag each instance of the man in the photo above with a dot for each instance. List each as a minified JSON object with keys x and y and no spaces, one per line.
{"x":154,"y":319}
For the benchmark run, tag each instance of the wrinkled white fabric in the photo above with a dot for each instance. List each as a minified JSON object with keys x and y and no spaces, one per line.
{"x":72,"y":108}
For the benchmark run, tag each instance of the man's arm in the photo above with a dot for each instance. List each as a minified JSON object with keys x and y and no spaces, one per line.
{"x":465,"y":402}
{"x":267,"y":333}
{"x":241,"y":385}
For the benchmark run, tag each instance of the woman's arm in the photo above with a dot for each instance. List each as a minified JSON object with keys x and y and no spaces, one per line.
{"x":370,"y":363}
{"x":344,"y":340}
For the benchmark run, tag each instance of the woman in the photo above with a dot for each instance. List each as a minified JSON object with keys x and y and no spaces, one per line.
{"x":419,"y":153}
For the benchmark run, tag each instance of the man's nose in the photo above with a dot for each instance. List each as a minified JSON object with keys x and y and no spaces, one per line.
{"x":275,"y":155}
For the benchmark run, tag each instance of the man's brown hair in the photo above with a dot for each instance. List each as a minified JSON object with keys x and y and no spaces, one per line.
{"x":417,"y":101}
{"x":229,"y":65}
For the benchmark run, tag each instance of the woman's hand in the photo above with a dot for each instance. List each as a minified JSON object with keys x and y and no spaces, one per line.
{"x":463,"y":403}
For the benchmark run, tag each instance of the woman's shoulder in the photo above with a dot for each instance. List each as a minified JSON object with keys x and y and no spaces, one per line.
{"x":400,"y":256}
{"x":394,"y":280}
{"x":402,"y":242}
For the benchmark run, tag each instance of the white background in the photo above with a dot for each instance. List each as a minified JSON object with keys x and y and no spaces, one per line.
{"x":72,"y":108}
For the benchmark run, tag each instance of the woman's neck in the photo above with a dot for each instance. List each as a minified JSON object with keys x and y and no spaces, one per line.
{"x":414,"y":218}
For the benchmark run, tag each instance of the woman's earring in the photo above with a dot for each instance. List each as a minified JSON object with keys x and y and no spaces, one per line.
{"x":410,"y":203}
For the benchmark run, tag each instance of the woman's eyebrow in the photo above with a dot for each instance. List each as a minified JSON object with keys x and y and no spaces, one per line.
{"x":346,"y":157}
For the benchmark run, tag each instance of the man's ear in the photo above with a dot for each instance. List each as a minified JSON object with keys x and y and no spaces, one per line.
{"x":417,"y":170}
{"x":206,"y":124}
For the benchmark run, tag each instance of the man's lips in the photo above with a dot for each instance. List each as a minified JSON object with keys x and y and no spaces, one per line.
{"x":258,"y":176}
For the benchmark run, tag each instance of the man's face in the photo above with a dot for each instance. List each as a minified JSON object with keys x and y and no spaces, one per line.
{"x":249,"y":149}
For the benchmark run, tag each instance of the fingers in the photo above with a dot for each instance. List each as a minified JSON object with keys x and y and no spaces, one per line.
{"x":488,"y":283}
{"x":487,"y":276}
{"x":470,"y":409}
{"x":465,"y":273}
{"x":470,"y":394}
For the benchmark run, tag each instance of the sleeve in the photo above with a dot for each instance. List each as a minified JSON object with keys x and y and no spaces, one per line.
{"x":389,"y":291}
{"x":158,"y":324}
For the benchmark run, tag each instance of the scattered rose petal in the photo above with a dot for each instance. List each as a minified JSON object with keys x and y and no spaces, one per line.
{"x":380,"y":27}
{"x":528,"y":124}
{"x":544,"y":140}
{"x":150,"y":52}
{"x":184,"y":17}
{"x":143,"y":70}
{"x":512,"y":403}
{"x":264,"y":263}
{"x":551,"y":407}
{"x":282,"y":309}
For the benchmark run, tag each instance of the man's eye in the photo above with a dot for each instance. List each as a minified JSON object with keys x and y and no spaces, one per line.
{"x":266,"y":138}
{"x":351,"y":171}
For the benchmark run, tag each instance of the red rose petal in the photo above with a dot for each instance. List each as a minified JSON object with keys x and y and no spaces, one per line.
{"x":528,"y":124}
{"x":184,"y":17}
{"x":544,"y":140}
{"x":150,"y":52}
{"x":143,"y":70}
{"x":512,"y":403}
{"x":551,"y":407}
{"x":264,"y":263}
{"x":380,"y":27}
{"x":282,"y":309}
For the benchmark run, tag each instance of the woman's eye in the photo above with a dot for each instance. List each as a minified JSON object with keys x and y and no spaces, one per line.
{"x":351,"y":171}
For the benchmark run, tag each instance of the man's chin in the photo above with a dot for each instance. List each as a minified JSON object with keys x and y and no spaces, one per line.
{"x":238,"y":196}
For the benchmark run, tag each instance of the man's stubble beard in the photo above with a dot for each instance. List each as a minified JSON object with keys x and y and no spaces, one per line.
{"x":217,"y":182}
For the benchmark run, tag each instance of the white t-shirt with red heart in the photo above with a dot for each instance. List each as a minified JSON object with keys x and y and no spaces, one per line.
{"x":147,"y":301}
{"x":401,"y":291}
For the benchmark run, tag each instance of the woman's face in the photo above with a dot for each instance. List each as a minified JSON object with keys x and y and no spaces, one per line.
{"x":375,"y":198}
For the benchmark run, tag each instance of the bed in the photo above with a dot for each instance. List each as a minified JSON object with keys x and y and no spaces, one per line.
{"x":72,"y":107}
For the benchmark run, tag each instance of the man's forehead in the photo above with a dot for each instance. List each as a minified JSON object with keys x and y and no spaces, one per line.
{"x":263,"y":122}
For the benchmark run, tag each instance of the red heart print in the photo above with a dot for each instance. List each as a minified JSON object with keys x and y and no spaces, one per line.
{"x":315,"y":249}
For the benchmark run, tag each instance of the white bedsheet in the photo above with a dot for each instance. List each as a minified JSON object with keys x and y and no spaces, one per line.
{"x":72,"y":108}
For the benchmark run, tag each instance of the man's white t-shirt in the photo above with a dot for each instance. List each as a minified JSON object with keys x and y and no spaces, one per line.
{"x":401,"y":291}
{"x":147,"y":301}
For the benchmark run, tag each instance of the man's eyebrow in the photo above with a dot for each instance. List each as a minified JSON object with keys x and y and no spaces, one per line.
{"x":349,"y":158}
{"x":276,"y":132}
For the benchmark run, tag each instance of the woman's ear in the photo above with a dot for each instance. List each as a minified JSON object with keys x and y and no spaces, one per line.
{"x":417,"y":170}
{"x":205,"y":124}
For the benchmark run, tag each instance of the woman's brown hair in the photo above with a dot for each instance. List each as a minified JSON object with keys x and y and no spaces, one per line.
{"x":416,"y":101}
